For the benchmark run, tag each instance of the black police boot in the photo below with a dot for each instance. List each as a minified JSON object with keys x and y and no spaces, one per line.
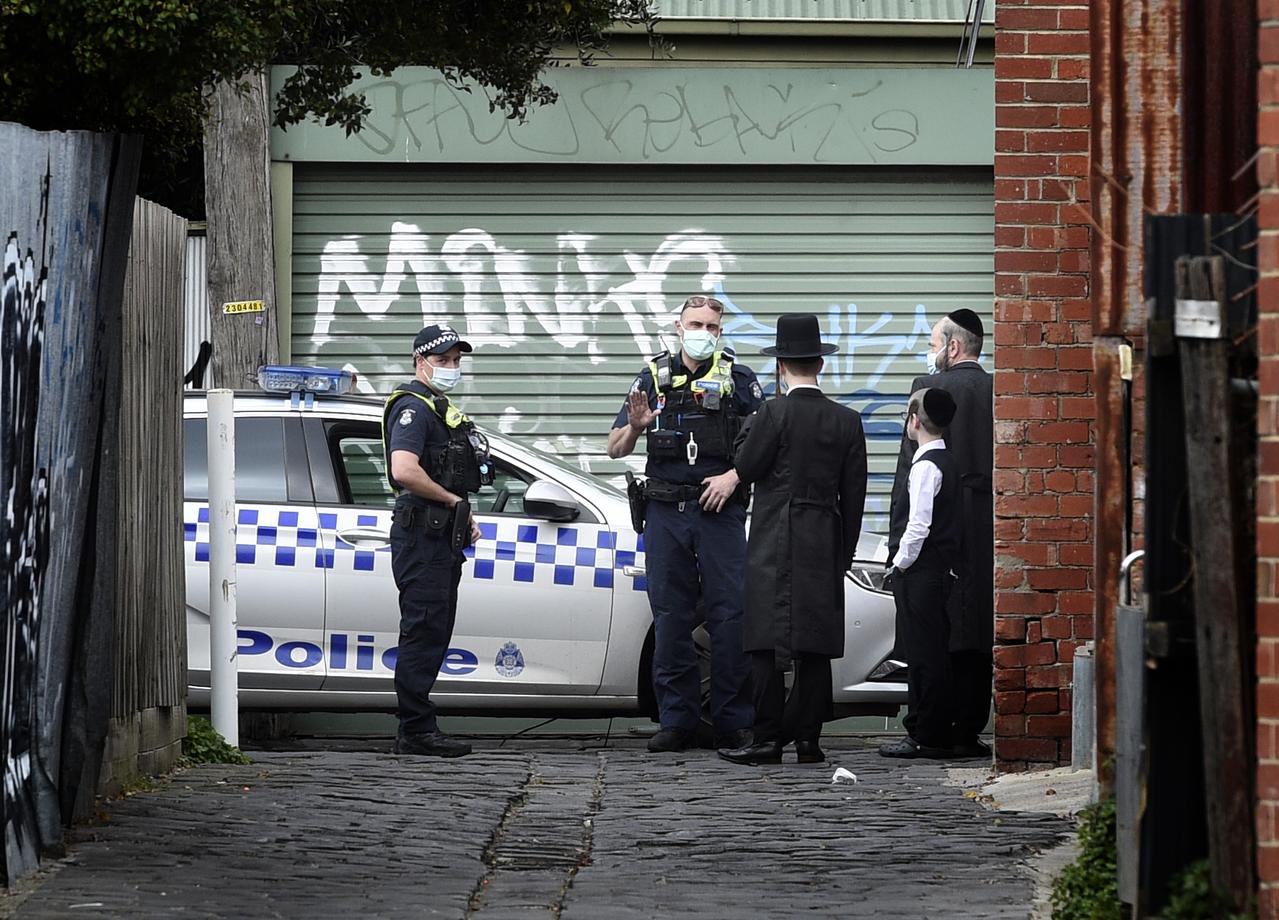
{"x":754,"y":754}
{"x":670,"y":740}
{"x":431,"y":744}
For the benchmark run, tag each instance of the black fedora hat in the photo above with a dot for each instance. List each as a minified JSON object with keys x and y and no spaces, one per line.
{"x":799,"y":336}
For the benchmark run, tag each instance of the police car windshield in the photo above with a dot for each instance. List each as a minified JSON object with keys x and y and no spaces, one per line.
{"x":581,"y":477}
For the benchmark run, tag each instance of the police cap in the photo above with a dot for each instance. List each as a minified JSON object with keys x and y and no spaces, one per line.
{"x":437,"y":339}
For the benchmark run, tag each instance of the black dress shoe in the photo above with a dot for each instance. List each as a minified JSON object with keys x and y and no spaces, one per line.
{"x":670,"y":740}
{"x":973,"y":750}
{"x":809,"y":752}
{"x":738,"y":738}
{"x":754,"y":754}
{"x":908,"y":747}
{"x":431,"y":744}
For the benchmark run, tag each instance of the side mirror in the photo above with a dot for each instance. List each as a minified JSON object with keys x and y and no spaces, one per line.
{"x":551,"y":502}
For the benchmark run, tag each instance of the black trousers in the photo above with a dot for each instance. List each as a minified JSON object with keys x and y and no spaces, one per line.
{"x":971,"y":676}
{"x":798,"y":717}
{"x":427,"y":573}
{"x":921,"y":594}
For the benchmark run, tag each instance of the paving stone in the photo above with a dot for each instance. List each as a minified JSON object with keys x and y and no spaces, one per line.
{"x":550,"y":831}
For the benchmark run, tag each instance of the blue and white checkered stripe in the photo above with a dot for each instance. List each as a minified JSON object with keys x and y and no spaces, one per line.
{"x":509,"y":551}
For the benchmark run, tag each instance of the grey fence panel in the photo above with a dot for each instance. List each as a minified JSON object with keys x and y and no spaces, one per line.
{"x":148,"y":717}
{"x":66,"y":209}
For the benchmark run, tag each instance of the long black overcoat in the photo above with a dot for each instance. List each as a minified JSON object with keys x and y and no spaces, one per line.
{"x":806,"y":456}
{"x":970,"y":440}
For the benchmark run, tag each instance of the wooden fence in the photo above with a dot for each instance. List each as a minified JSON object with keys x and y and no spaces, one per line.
{"x":148,"y":711}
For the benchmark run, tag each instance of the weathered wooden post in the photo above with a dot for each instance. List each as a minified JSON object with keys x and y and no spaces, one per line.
{"x":1202,"y":327}
{"x":241,"y":250}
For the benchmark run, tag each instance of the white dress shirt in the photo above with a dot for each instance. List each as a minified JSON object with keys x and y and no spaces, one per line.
{"x":802,"y":386}
{"x":925,"y":483}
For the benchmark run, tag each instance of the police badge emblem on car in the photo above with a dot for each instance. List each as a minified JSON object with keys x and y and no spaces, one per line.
{"x":510,"y":660}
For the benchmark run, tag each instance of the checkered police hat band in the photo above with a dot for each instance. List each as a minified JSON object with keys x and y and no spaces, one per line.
{"x":426,"y":348}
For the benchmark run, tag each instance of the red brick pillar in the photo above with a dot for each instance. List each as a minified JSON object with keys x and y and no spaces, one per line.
{"x":1043,"y":382}
{"x":1268,"y":467}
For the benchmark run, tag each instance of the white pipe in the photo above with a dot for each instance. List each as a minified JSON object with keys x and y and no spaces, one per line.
{"x":223,"y":675}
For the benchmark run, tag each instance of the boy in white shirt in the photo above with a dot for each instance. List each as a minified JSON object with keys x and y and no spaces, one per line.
{"x":922,"y":576}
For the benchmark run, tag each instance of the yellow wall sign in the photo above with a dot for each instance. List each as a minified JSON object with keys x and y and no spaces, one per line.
{"x":243,"y":306}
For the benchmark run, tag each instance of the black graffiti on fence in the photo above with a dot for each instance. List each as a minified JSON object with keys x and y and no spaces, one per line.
{"x":24,"y":536}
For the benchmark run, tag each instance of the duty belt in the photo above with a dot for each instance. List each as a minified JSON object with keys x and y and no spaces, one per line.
{"x":659,"y":491}
{"x":413,"y":515}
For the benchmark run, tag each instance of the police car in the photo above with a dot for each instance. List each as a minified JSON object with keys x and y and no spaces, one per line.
{"x":552,"y":614}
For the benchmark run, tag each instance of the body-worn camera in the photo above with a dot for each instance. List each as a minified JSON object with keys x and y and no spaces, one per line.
{"x":665,"y":444}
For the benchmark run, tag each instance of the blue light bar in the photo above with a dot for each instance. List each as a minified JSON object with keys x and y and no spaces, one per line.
{"x":276,"y":378}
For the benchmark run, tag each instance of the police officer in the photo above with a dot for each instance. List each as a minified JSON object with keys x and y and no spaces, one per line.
{"x":435,"y":457}
{"x":689,"y":406}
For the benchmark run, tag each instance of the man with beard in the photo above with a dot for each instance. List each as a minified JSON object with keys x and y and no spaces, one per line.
{"x":953,"y":365}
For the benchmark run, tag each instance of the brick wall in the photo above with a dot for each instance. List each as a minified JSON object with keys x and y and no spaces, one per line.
{"x":1043,"y":382}
{"x":1268,"y":468}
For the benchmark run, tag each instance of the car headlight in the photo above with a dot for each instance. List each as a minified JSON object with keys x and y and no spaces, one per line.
{"x":870,"y":575}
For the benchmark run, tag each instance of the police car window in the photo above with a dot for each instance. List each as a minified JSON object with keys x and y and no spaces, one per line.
{"x":362,"y":471}
{"x":260,"y":472}
{"x":505,"y":495}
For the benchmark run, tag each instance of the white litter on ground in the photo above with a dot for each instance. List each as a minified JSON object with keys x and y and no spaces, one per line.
{"x":843,"y":775}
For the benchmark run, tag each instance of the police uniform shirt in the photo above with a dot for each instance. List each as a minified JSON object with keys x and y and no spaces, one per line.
{"x":415,"y":427}
{"x":747,"y":396}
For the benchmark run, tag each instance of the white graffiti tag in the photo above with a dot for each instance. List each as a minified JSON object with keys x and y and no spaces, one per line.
{"x":502,"y":290}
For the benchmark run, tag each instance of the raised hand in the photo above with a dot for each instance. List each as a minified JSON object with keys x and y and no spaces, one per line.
{"x":638,"y":413}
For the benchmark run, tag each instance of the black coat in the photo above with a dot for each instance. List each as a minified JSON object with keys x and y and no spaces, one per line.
{"x":806,"y":456}
{"x":970,"y":440}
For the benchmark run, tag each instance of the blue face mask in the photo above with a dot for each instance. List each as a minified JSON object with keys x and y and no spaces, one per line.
{"x":699,"y":344}
{"x":445,"y":378}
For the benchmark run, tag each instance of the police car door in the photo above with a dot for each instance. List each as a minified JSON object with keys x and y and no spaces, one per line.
{"x":517,"y":610}
{"x":280,"y":556}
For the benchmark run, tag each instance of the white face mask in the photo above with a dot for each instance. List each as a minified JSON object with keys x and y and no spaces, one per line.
{"x":932,"y":363}
{"x":699,"y":344}
{"x":445,"y":378}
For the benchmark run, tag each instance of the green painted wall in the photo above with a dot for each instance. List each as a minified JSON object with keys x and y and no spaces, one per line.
{"x":566,"y":278}
{"x":750,"y":116}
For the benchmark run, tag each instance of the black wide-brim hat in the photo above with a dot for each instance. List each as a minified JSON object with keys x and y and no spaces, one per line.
{"x":799,"y":336}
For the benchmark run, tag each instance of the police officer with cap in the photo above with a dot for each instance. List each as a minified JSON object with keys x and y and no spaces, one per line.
{"x":689,"y":407}
{"x":434,"y":457}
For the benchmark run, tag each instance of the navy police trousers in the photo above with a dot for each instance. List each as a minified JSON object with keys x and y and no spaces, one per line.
{"x":688,"y":553}
{"x":427,"y":573}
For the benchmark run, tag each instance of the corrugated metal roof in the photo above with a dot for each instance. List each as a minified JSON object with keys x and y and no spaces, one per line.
{"x":856,"y":10}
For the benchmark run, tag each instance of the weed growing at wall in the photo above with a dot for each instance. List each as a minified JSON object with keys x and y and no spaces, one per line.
{"x":203,"y":744}
{"x":1192,"y":897}
{"x":1088,"y":889}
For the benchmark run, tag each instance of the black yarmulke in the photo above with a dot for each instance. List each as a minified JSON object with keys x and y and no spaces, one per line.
{"x":967,"y":319}
{"x":939,"y":406}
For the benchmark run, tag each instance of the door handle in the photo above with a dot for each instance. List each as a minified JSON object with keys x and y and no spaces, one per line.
{"x":634,"y":571}
{"x":364,"y":537}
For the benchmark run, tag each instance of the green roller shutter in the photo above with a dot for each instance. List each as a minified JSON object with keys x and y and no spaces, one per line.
{"x":567,"y":279}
